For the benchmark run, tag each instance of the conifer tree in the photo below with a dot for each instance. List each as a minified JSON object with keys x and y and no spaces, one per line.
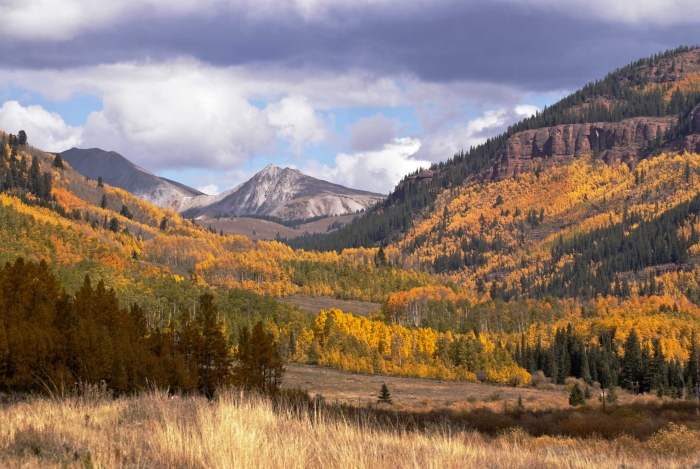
{"x":58,"y":162}
{"x":384,"y":395}
{"x":213,"y":354}
{"x":576,"y":397}
{"x":259,"y":366}
{"x":632,"y":363}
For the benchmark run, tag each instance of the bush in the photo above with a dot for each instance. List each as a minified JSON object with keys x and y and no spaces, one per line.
{"x":538,"y":379}
{"x":515,"y":380}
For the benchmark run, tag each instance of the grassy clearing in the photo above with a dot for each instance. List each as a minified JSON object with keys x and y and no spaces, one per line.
{"x":314,"y":304}
{"x":491,"y":409}
{"x":154,"y":431}
{"x":265,"y":229}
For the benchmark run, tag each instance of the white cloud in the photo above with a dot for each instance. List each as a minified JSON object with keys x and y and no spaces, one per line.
{"x":377,"y":171}
{"x":183,"y":113}
{"x":444,"y":143}
{"x":45,"y":130}
{"x":210,"y":189}
{"x":526,"y":110}
{"x":296,"y":121}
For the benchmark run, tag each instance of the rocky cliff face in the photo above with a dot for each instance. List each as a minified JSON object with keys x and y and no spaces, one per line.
{"x":614,"y":141}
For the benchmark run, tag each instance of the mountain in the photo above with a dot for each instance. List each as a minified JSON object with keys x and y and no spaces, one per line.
{"x":634,"y":113}
{"x":117,"y":171}
{"x":282,"y":193}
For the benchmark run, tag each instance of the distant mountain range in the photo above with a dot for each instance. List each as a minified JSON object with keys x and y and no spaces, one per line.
{"x":283,"y":193}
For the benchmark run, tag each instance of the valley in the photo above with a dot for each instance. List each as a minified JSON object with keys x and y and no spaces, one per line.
{"x":531,"y":302}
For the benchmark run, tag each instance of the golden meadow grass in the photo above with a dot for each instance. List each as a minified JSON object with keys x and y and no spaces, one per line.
{"x":154,"y":431}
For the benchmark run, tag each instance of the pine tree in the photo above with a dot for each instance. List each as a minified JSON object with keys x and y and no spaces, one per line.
{"x":632,"y":363}
{"x":380,"y":257}
{"x":385,"y":395}
{"x":126,"y":213}
{"x":100,"y":181}
{"x":103,"y":202}
{"x":585,"y":368}
{"x":58,"y":162}
{"x":213,"y":355}
{"x":576,"y":397}
{"x":259,"y":366}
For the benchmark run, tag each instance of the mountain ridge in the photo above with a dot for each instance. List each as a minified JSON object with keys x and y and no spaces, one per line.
{"x":118,"y":171}
{"x":284,"y":193}
{"x":288,"y":194}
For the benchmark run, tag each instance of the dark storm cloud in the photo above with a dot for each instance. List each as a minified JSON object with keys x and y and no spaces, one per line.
{"x":531,"y":49}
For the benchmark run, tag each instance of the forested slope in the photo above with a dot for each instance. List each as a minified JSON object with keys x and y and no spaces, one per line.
{"x":663,"y":86}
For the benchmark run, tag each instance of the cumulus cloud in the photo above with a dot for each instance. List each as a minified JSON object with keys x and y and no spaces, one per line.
{"x":210,"y":189}
{"x":45,"y":130}
{"x":372,"y":133}
{"x":183,"y":113}
{"x":444,"y":143}
{"x":378,"y":171}
{"x":295,"y":120}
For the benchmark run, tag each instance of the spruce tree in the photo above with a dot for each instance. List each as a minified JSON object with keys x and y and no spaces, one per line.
{"x":385,"y":395}
{"x":58,"y":162}
{"x":632,"y":363}
{"x":213,"y":355}
{"x":258,"y":362}
{"x":576,"y":397}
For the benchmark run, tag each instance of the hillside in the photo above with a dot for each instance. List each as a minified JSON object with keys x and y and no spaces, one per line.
{"x":117,"y":171}
{"x":631,"y":114}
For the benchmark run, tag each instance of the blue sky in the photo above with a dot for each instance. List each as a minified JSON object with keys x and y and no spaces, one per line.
{"x":208,"y":92}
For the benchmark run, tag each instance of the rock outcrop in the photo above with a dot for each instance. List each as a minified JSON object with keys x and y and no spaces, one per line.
{"x":541,"y":148}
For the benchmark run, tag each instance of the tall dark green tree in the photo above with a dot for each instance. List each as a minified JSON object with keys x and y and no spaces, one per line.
{"x":632,"y":363}
{"x":258,"y":363}
{"x":58,"y":162}
{"x":214,"y":362}
{"x":384,"y":395}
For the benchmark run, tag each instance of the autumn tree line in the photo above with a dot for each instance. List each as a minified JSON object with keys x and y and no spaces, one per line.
{"x":20,"y":176}
{"x":50,"y":341}
{"x":641,"y":368}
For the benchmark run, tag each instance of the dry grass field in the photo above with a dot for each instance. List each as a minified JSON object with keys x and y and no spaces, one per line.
{"x":266,"y":229}
{"x":155,"y":431}
{"x":314,"y":304}
{"x":354,"y":388}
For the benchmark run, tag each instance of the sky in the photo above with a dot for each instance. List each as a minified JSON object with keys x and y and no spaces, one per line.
{"x":357,"y":92}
